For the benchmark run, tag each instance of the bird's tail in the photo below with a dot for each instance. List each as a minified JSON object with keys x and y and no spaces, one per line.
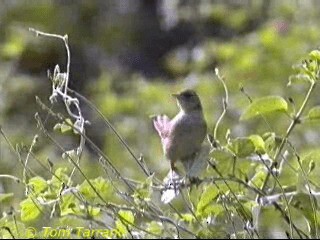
{"x":195,"y":164}
{"x":161,"y":124}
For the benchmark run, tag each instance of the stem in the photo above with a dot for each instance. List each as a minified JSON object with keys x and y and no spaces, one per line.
{"x":292,"y":125}
{"x":113,"y":129}
{"x":296,"y":119}
{"x":18,"y":180}
{"x":65,"y":40}
{"x":225,"y":101}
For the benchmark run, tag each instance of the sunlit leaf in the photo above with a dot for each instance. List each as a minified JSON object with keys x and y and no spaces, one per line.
{"x":258,"y":179}
{"x":69,"y":205}
{"x":258,"y":143}
{"x":126,"y":219}
{"x":57,"y":127}
{"x":271,"y":141}
{"x":155,"y":228}
{"x":188,"y":217}
{"x":38,"y":184}
{"x":17,"y":230}
{"x":144,"y":190}
{"x":315,"y":55}
{"x":311,"y":166}
{"x":93,"y":211}
{"x":209,"y":194}
{"x":66,"y":126}
{"x":13,"y":47}
{"x":102,"y":186}
{"x":314,"y":113}
{"x":242,"y":146}
{"x":60,"y":176}
{"x":264,"y":106}
{"x":29,"y":210}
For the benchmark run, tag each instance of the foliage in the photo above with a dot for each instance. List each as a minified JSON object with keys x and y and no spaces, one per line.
{"x":261,"y":179}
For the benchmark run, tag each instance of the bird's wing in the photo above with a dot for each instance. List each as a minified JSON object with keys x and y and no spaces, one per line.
{"x":162,"y":124}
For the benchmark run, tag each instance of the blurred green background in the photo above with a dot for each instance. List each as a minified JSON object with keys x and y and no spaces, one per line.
{"x":127,"y":57}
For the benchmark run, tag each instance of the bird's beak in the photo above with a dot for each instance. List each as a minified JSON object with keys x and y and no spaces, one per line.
{"x":175,"y":95}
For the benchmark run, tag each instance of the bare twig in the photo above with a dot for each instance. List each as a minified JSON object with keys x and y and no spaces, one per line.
{"x":225,"y":102}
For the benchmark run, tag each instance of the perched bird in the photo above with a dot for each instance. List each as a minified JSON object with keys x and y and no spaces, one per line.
{"x":182,"y":136}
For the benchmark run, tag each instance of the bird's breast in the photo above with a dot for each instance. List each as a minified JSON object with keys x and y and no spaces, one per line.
{"x":187,"y":132}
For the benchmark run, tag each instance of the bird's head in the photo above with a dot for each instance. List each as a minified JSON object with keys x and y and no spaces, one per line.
{"x":188,"y":100}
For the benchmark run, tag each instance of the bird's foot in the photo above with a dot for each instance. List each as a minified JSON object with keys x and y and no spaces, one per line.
{"x":172,"y":183}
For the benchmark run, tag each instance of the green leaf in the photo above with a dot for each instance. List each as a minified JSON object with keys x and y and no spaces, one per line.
{"x":13,"y":48}
{"x":258,"y":143}
{"x":310,"y":161}
{"x":126,"y":219}
{"x":304,"y":203}
{"x":60,"y":176}
{"x":17,"y":230}
{"x":314,"y":113}
{"x":155,"y":228}
{"x":188,"y":217}
{"x":267,"y":219}
{"x":312,"y":166}
{"x":127,"y":216}
{"x":57,"y":127}
{"x":213,"y":232}
{"x":209,"y":194}
{"x":315,"y":55}
{"x":38,"y":184}
{"x":223,"y":159}
{"x":264,"y":106}
{"x":242,"y":146}
{"x":29,"y":211}
{"x":213,"y":209}
{"x":66,"y":126}
{"x":103,"y":187}
{"x":272,"y":141}
{"x":69,"y":205}
{"x":93,"y":211}
{"x":144,"y":190}
{"x":258,"y":179}
{"x":5,"y":196}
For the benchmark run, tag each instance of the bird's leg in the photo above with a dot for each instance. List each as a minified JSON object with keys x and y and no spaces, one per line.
{"x":172,"y":167}
{"x":173,"y":173}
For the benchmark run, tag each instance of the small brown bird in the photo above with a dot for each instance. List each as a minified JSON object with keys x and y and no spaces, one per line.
{"x":182,"y":136}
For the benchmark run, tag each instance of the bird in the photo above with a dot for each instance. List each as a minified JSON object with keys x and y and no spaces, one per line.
{"x":183,"y":135}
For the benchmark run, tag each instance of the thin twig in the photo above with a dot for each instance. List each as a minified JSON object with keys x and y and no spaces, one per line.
{"x":292,"y":125}
{"x":110,"y":125}
{"x":225,"y":102}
